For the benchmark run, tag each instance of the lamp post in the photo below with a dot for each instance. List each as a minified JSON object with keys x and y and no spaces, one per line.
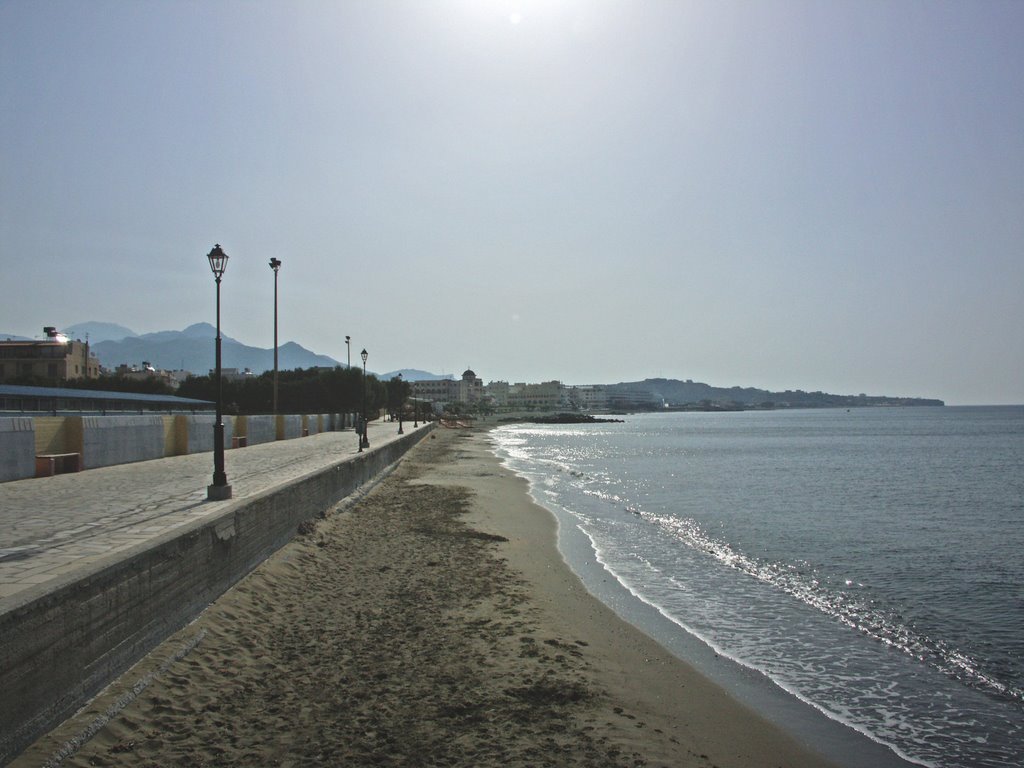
{"x":415,"y":411}
{"x":364,"y":442}
{"x":275,"y":264}
{"x":348,"y":365}
{"x":220,"y":489}
{"x":401,"y":404}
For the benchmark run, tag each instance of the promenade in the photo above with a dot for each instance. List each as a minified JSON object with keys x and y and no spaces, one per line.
{"x":98,"y":567}
{"x":55,"y":527}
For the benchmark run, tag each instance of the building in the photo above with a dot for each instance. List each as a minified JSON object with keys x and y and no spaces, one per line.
{"x":634,"y":399}
{"x":233,"y":374}
{"x":471,"y":387}
{"x":55,"y":359}
{"x":498,"y":391}
{"x":466,"y":391}
{"x":588,"y":397}
{"x":16,"y":399}
{"x":546,"y":396}
{"x":436,"y":390}
{"x":147,"y":372}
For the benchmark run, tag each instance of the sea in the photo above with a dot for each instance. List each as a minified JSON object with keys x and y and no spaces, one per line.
{"x":856,"y":575}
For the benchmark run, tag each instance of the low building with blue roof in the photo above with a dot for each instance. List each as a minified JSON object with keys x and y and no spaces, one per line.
{"x":20,"y":399}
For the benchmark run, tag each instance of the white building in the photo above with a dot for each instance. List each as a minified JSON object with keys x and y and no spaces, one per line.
{"x":547,"y":396}
{"x":588,"y":397}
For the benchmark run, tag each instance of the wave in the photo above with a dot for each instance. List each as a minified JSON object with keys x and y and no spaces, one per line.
{"x":854,"y":611}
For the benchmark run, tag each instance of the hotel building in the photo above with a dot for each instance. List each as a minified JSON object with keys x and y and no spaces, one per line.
{"x":55,"y":359}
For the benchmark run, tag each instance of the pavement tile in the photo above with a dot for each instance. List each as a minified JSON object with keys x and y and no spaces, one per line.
{"x":57,"y":525}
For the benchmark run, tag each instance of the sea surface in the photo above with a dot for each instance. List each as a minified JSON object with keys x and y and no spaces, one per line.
{"x":869,"y":562}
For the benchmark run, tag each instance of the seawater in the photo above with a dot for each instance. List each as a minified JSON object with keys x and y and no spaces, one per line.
{"x":869,"y":562}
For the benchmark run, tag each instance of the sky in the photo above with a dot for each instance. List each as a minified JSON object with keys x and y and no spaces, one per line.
{"x":783,"y":194}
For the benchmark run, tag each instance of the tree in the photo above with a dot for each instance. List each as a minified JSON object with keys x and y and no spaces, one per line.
{"x":311,"y":390}
{"x":397,"y":392}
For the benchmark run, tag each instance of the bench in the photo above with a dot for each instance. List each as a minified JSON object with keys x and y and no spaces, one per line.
{"x":50,"y":464}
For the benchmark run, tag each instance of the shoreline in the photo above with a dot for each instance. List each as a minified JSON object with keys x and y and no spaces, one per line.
{"x":838,"y":742}
{"x":430,"y":620}
{"x":669,"y":691}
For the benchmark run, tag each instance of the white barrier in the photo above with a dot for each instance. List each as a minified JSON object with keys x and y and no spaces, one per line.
{"x":17,"y":448}
{"x":291,"y":426}
{"x":108,"y":440}
{"x":260,"y":429}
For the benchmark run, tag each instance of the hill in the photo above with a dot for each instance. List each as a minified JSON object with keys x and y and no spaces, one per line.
{"x":680,"y":394}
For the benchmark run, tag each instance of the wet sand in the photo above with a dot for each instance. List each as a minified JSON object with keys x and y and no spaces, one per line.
{"x":430,"y":622}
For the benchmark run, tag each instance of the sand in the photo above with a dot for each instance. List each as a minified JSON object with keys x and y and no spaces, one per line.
{"x":429,"y":622}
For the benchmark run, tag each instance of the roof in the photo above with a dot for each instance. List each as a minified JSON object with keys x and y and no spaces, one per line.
{"x":37,"y":342}
{"x":17,"y":390}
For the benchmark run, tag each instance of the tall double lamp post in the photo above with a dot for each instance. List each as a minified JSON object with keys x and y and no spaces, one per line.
{"x":364,"y":441}
{"x":275,"y":264}
{"x":220,"y":489}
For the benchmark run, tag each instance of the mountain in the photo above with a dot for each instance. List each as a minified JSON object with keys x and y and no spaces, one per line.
{"x":194,"y":331}
{"x":193,"y":350}
{"x":97,"y":332}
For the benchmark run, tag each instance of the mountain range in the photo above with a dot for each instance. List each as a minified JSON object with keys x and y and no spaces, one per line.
{"x":192,"y":349}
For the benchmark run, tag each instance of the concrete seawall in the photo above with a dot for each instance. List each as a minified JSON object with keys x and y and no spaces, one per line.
{"x":63,"y":643}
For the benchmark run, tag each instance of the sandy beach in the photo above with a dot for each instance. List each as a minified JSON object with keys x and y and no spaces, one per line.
{"x":430,"y":621}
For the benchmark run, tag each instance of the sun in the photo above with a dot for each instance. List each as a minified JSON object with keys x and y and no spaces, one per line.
{"x":515,"y":18}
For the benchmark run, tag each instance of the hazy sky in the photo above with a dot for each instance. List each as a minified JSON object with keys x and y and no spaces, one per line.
{"x":815,"y":195}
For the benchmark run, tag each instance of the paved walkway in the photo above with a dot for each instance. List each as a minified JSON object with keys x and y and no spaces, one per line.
{"x":52,"y":526}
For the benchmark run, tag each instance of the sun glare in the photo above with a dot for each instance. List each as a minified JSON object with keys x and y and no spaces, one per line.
{"x":515,"y":17}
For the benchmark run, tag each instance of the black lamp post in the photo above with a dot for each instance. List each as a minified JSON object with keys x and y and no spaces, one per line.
{"x":365,"y":441}
{"x":220,"y":489}
{"x":415,"y":411}
{"x":401,"y":404}
{"x":275,"y":264}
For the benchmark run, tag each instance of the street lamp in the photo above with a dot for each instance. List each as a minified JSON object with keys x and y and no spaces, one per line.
{"x":401,"y":403}
{"x":220,"y":489}
{"x":275,"y":264}
{"x":364,"y":442}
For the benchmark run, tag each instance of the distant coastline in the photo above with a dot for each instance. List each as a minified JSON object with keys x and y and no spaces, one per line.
{"x":689,"y":395}
{"x":192,"y":350}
